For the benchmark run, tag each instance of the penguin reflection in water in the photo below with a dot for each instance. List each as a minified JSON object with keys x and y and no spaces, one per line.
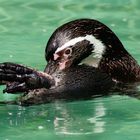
{"x":64,"y":76}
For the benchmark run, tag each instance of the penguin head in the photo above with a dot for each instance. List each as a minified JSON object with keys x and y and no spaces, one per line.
{"x":76,"y":40}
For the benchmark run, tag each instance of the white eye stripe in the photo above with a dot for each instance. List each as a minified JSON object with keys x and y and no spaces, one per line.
{"x":70,"y":43}
{"x":99,"y":47}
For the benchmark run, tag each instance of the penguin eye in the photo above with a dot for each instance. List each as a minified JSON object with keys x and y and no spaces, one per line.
{"x":68,"y":51}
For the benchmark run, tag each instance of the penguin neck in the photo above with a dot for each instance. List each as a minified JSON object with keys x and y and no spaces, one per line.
{"x":122,"y":67}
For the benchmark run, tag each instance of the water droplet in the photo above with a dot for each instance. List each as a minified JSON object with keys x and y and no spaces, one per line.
{"x":124,"y":19}
{"x":11,"y":56}
{"x":10,"y":113}
{"x":40,"y":127}
{"x":44,"y":30}
{"x":113,"y":25}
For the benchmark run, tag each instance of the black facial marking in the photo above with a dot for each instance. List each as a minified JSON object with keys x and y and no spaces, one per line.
{"x":81,"y":50}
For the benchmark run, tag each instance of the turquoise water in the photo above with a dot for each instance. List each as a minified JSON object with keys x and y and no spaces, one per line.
{"x":25,"y":27}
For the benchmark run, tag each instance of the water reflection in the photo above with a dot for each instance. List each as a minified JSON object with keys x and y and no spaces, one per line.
{"x":97,"y":120}
{"x":60,"y":117}
{"x":93,"y":120}
{"x":12,"y":116}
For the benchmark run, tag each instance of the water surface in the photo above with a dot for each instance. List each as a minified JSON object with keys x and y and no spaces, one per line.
{"x":25,"y":27}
